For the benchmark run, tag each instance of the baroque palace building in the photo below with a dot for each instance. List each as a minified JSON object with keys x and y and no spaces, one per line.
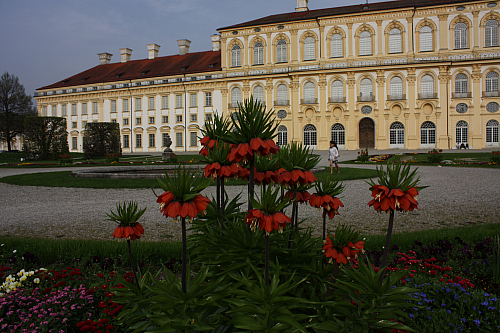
{"x":414,"y":74}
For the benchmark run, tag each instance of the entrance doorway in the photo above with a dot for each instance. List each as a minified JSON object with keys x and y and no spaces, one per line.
{"x":366,"y":133}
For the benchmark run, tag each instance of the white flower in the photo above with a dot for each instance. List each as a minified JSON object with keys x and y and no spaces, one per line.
{"x":31,"y":273}
{"x":36,"y":280}
{"x":14,"y":251}
{"x":23,"y":278}
{"x":21,"y":272}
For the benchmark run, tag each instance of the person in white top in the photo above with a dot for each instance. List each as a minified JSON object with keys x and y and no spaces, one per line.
{"x":333,"y":156}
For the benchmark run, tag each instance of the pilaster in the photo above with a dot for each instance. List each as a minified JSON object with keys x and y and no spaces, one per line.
{"x":380,"y":37}
{"x":443,"y":32}
{"x":351,"y":131}
{"x":442,"y":137}
{"x":476,"y":127}
{"x":294,"y":46}
{"x":413,"y":127}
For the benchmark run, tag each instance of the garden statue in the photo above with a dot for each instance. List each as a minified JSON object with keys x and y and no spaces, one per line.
{"x":167,"y":151}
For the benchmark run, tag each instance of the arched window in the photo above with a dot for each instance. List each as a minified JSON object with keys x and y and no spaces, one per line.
{"x":366,"y":91}
{"x":309,"y":48}
{"x":281,"y":51}
{"x":397,"y":135}
{"x":310,"y":136}
{"x":258,"y":93}
{"x":491,"y":33}
{"x":492,"y":84}
{"x":461,"y":85}
{"x":428,"y":133}
{"x":282,"y":135}
{"x":236,"y":56}
{"x":235,"y":97}
{"x":462,"y":132}
{"x":396,"y":88}
{"x":427,"y":87}
{"x":395,"y":41}
{"x":258,"y":54}
{"x":336,"y":46}
{"x":282,"y":94}
{"x":337,"y":92}
{"x":426,"y":39}
{"x":492,"y":133}
{"x":309,"y":93}
{"x":365,"y":43}
{"x":460,"y":35}
{"x":338,"y":134}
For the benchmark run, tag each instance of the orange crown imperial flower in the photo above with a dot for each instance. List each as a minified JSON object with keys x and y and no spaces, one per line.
{"x":290,"y":178}
{"x":343,"y":246}
{"x":126,"y":217}
{"x":301,"y":196}
{"x":267,"y":222}
{"x":176,"y":209}
{"x":131,"y":232}
{"x":395,"y":199}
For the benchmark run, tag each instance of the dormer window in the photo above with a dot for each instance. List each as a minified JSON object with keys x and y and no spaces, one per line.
{"x":145,"y":72}
{"x":64,"y":82}
{"x":117,"y":76}
{"x":85,"y":79}
{"x":183,"y":68}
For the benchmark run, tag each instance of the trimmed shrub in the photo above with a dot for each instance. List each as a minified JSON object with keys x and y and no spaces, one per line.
{"x":101,"y":140}
{"x":45,"y":138}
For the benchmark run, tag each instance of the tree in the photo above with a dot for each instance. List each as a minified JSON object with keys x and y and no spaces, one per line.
{"x":15,"y":105}
{"x":46,"y":138}
{"x":101,"y":139}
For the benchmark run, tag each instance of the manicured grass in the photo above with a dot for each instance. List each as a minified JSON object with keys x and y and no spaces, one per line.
{"x":352,"y":173}
{"x":476,"y":157}
{"x":63,"y":179}
{"x":16,"y":158}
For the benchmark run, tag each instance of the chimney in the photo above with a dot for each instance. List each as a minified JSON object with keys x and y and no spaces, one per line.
{"x":126,"y":54}
{"x":183,"y":46}
{"x":302,"y":6}
{"x":153,"y":50}
{"x":105,"y":58}
{"x":215,"y":42}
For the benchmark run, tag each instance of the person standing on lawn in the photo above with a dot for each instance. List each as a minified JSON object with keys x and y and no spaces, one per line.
{"x":333,"y":156}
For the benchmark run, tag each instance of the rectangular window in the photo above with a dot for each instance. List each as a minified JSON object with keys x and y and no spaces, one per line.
{"x":125,"y":105}
{"x":73,"y":109}
{"x":151,"y":120}
{"x":125,"y":121}
{"x":138,"y":121}
{"x":208,"y":99}
{"x":54,"y":110}
{"x":44,"y":111}
{"x":151,"y":140}
{"x":125,"y":141}
{"x":138,"y":141}
{"x":138,"y":104}
{"x":74,"y":143}
{"x":208,"y":117}
{"x":178,"y":101}
{"x":151,"y":103}
{"x":84,"y":124}
{"x":178,"y":139}
{"x":194,"y":102}
{"x":64,"y":113}
{"x":164,"y":102}
{"x":178,"y":118}
{"x":164,"y":119}
{"x":113,"y":106}
{"x":166,"y":139}
{"x":113,"y":121}
{"x":194,"y":118}
{"x":84,"y":108}
{"x":73,"y":124}
{"x":95,"y":110}
{"x":194,"y":139}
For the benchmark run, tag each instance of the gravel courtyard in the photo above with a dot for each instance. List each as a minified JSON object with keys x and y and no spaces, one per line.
{"x":455,"y":197}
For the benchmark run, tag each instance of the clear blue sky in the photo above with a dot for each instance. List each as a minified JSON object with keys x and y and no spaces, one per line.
{"x":45,"y":41}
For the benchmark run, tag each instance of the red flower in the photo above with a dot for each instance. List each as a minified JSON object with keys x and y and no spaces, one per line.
{"x":294,"y":177}
{"x":265,"y":177}
{"x":395,"y":199}
{"x":176,"y":209}
{"x":342,"y":255}
{"x":329,"y":204}
{"x":242,"y":152}
{"x":267,"y":222}
{"x":301,"y":197}
{"x":239,"y":171}
{"x":132,"y":232}
{"x":211,"y":170}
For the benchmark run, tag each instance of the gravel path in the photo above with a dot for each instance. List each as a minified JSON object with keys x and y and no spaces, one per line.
{"x":456,"y":197}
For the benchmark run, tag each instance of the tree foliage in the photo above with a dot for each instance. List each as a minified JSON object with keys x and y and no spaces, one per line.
{"x":15,"y":105}
{"x":101,"y":139}
{"x":45,"y":137}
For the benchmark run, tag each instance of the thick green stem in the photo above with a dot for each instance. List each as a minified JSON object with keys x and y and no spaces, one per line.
{"x":387,"y":243}
{"x":296,"y":217}
{"x":218,"y":193}
{"x":132,"y":263}
{"x":223,"y":204}
{"x":184,"y":255}
{"x":251,"y":182}
{"x":267,"y":261}
{"x":324,"y":224}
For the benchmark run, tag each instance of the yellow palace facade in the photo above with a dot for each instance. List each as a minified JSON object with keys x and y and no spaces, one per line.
{"x":390,"y":75}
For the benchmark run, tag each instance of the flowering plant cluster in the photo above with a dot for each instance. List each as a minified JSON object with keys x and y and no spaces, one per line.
{"x":363,"y":155}
{"x":495,"y":157}
{"x":380,"y":158}
{"x":343,"y":246}
{"x":19,"y":280}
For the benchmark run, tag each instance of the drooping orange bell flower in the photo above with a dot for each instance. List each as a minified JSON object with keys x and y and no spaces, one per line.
{"x":239,"y":171}
{"x":300,"y":197}
{"x":215,"y":170}
{"x":342,"y":254}
{"x":176,"y":209}
{"x":131,"y":232}
{"x":266,"y":222}
{"x":395,"y":199}
{"x":294,"y":177}
{"x":326,"y":202}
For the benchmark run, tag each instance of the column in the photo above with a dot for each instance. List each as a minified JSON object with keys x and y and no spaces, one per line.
{"x":270,"y":50}
{"x":269,"y":92}
{"x":246,"y":54}
{"x":350,"y":38}
{"x":380,"y":111}
{"x":223,"y":53}
{"x":443,"y":32}
{"x":351,"y":131}
{"x":413,"y":121}
{"x":294,"y":45}
{"x":245,"y":90}
{"x":410,"y":36}
{"x":294,"y":109}
{"x":475,"y":129}
{"x":225,"y":111}
{"x":476,"y":28}
{"x":322,"y":46}
{"x":380,"y":37}
{"x":323,"y":125}
{"x":442,"y":124}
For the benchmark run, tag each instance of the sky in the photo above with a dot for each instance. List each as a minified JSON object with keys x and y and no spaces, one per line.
{"x":46,"y":41}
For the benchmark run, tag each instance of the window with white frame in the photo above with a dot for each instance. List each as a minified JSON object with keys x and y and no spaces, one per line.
{"x":336,"y":46}
{"x":282,"y":94}
{"x":281,"y":51}
{"x":235,"y":97}
{"x":164,"y":102}
{"x":125,"y":141}
{"x":74,"y":143}
{"x":151,"y":120}
{"x":138,"y":104}
{"x":337,"y":92}
{"x":282,"y":135}
{"x":491,"y":33}
{"x":309,"y":93}
{"x":113,"y":121}
{"x":113,"y":106}
{"x":258,"y":54}
{"x":164,"y":119}
{"x":138,"y":121}
{"x":54,"y":110}
{"x":309,"y":48}
{"x":178,"y":139}
{"x":310,"y":135}
{"x":95,"y":109}
{"x":44,"y":111}
{"x":151,"y":140}
{"x":84,"y":108}
{"x":208,"y":117}
{"x":73,"y":110}
{"x":84,"y":124}
{"x":396,"y":85}
{"x":338,"y":134}
{"x":395,"y":41}
{"x":125,"y":105}
{"x":178,"y":118}
{"x":462,"y":132}
{"x":151,"y":103}
{"x":427,"y":87}
{"x":426,"y":39}
{"x":194,"y":139}
{"x":461,"y":85}
{"x":236,"y":56}
{"x":138,"y":141}
{"x":193,"y":100}
{"x":397,"y":134}
{"x":365,"y":43}
{"x":460,"y":35}
{"x":428,"y":133}
{"x":125,"y":121}
{"x":64,"y":112}
{"x":194,"y":118}
{"x":366,"y":89}
{"x":258,"y":93}
{"x":492,"y":83}
{"x":74,"y":124}
{"x":178,"y":101}
{"x":208,"y":98}
{"x":492,"y":132}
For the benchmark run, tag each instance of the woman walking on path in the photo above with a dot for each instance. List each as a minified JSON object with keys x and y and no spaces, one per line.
{"x":333,"y":156}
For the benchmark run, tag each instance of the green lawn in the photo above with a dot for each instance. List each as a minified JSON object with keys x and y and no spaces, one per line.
{"x":63,"y":179}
